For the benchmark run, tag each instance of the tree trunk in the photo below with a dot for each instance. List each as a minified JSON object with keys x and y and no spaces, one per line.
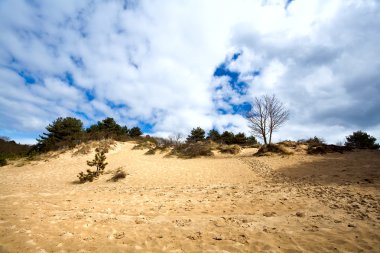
{"x":265,"y":138}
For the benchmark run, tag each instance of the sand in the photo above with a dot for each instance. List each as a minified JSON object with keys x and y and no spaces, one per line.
{"x":226,"y":203}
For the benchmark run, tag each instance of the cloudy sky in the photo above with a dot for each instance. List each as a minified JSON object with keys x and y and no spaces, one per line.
{"x":169,"y":66}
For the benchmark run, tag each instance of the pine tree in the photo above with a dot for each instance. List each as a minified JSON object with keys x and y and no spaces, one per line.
{"x":361,"y":140}
{"x":197,"y":134}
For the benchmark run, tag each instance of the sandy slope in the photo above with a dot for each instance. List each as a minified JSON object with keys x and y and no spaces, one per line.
{"x":220,"y":204}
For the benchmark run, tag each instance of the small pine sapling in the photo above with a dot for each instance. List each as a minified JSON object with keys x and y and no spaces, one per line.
{"x":99,"y":162}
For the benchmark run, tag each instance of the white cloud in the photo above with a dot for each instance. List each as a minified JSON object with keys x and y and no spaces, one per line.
{"x":158,"y":58}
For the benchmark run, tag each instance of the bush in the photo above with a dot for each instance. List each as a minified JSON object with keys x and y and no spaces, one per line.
{"x":144,"y":145}
{"x":107,"y":128}
{"x":197,"y":134}
{"x":83,"y":150}
{"x":251,"y":141}
{"x":213,"y":135}
{"x":3,"y":161}
{"x":313,"y":141}
{"x":361,"y":140}
{"x":151,"y":151}
{"x":289,"y":144}
{"x":240,"y":139}
{"x":89,"y":177}
{"x":273,"y":148}
{"x":227,"y":137}
{"x":119,"y":174}
{"x":63,"y":132}
{"x":135,"y":132}
{"x":98,"y":162}
{"x":324,"y":149}
{"x":191,"y":150}
{"x":229,"y":149}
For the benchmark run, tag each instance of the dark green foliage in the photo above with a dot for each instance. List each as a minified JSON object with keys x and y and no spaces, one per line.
{"x":10,"y":149}
{"x":3,"y":161}
{"x":197,"y":134}
{"x":272,"y":148}
{"x":119,"y":174}
{"x":320,"y":149}
{"x":229,"y":149}
{"x":227,"y":137}
{"x":63,"y":132}
{"x":98,"y":162}
{"x":192,"y":149}
{"x":240,"y":139}
{"x":251,"y":140}
{"x":89,"y":177}
{"x":135,"y":132}
{"x":213,"y":135}
{"x":107,"y":128}
{"x":125,"y":130}
{"x":151,"y":151}
{"x":361,"y":140}
{"x":314,"y":141}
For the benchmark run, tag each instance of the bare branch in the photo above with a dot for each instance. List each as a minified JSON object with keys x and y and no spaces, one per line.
{"x":266,"y":116}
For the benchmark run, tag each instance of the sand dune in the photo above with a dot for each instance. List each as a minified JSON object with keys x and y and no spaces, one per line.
{"x":224,"y":203}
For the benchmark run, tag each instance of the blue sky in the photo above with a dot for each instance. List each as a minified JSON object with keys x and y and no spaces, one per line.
{"x":169,"y":66}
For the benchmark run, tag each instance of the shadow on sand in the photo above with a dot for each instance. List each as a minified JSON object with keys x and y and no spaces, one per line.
{"x":357,"y":167}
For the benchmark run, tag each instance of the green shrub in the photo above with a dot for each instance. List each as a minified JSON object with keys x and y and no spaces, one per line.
{"x":197,"y":134}
{"x":240,"y":139}
{"x":324,"y":149}
{"x":135,"y":132}
{"x":213,"y":135}
{"x":62,"y":133}
{"x":229,"y":149}
{"x":313,"y":141}
{"x":361,"y":140}
{"x":191,"y":150}
{"x":251,"y":141}
{"x":289,"y":144}
{"x":273,"y":148}
{"x":98,"y":162}
{"x":151,"y":151}
{"x":144,"y":145}
{"x":3,"y":161}
{"x":227,"y":137}
{"x":89,"y":177}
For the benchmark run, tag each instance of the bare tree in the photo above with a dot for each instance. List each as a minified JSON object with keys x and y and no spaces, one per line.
{"x":176,"y":139}
{"x":266,"y":116}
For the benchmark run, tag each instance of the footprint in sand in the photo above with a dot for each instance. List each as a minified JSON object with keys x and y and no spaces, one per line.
{"x":269,"y":214}
{"x":195,"y":236}
{"x":182,"y":222}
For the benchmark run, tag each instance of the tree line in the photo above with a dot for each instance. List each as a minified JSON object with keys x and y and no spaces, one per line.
{"x":69,"y":131}
{"x":198,"y":134}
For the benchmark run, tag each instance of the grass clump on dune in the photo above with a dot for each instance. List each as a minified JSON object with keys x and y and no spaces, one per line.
{"x":229,"y":149}
{"x":273,"y":149}
{"x":191,"y":150}
{"x":119,"y":174}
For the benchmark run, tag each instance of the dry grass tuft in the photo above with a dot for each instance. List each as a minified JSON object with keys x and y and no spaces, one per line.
{"x":191,"y":150}
{"x":83,"y":149}
{"x":324,"y":149}
{"x":144,"y":145}
{"x":273,"y":149}
{"x":119,"y":174}
{"x":229,"y":149}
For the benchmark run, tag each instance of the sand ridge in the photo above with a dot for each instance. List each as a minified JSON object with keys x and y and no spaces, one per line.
{"x":219,"y":204}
